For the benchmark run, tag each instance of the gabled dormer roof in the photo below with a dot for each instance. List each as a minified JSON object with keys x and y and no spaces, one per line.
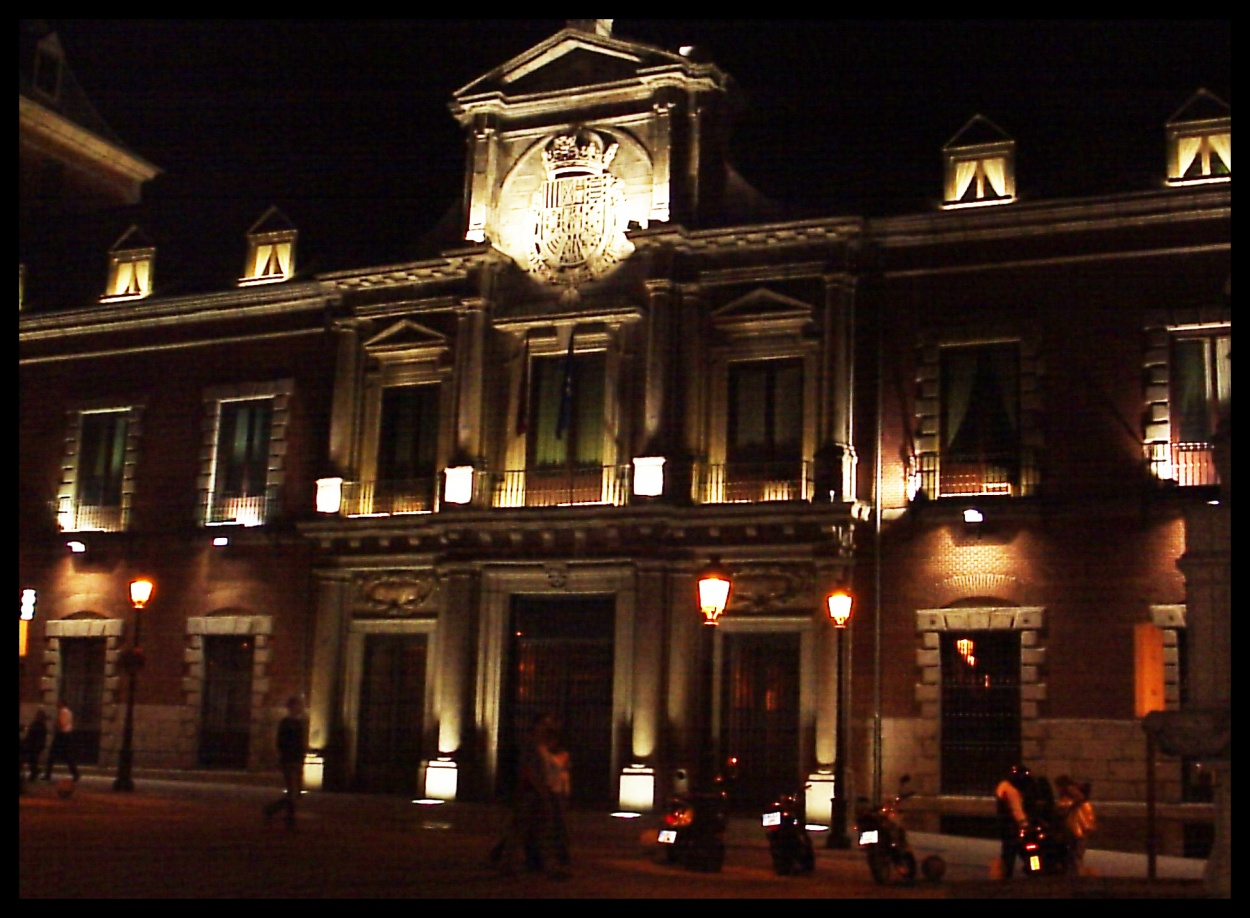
{"x":271,"y":221}
{"x":582,"y":56}
{"x":978,"y":131}
{"x":133,"y":240}
{"x":1203,"y":105}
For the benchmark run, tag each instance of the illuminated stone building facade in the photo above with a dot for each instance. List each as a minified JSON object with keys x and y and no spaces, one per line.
{"x":462,"y":490}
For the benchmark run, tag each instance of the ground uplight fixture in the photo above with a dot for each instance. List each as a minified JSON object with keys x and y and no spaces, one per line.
{"x":973,"y":515}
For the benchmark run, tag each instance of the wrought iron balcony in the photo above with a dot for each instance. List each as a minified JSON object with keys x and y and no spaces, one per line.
{"x":77,"y":516}
{"x":389,"y":498}
{"x":560,"y":487}
{"x":235,"y":510}
{"x":755,"y":482}
{"x":1183,"y":465}
{"x":1009,"y":474}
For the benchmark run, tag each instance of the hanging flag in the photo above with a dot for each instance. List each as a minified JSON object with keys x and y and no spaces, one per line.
{"x":566,"y":390}
{"x":523,"y":391}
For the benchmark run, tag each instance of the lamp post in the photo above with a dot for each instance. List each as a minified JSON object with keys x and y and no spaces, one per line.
{"x":131,"y":662}
{"x":714,"y":588}
{"x":839,"y":604}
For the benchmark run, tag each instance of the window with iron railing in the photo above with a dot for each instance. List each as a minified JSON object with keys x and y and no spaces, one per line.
{"x":764,"y":435}
{"x":96,"y":490}
{"x":564,"y":448}
{"x":1200,"y":389}
{"x":241,"y":471}
{"x":980,"y":447}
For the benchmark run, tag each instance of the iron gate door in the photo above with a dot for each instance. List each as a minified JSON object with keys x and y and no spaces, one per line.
{"x":82,"y":687}
{"x":226,"y":714}
{"x":392,"y":713}
{"x":760,"y":714}
{"x":980,"y":727}
{"x":560,"y":655}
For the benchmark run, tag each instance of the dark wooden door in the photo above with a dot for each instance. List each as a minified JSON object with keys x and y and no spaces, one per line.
{"x":560,"y":661}
{"x":760,"y":714}
{"x":226,"y":715}
{"x":82,"y":687}
{"x":392,"y":713}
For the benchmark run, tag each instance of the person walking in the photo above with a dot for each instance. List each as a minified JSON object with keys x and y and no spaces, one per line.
{"x":526,"y":836}
{"x":62,"y":749}
{"x":1077,"y":816}
{"x":1009,"y":797}
{"x":292,"y":744}
{"x":33,"y":743}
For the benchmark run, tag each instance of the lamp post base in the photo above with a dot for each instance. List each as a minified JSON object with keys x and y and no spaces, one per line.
{"x":123,"y":780}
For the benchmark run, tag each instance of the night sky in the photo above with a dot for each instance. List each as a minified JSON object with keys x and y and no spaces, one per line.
{"x":345,"y":125}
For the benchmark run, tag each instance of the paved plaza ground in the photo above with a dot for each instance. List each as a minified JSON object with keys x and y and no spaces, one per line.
{"x":186,"y":839}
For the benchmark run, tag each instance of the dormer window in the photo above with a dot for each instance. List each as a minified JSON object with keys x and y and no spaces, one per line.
{"x":1200,"y":142}
{"x":131,"y":261}
{"x":49,"y":67}
{"x":270,"y":250}
{"x":980,"y":166}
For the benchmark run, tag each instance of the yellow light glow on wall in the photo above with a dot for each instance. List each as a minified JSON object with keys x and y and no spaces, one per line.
{"x":649,"y":476}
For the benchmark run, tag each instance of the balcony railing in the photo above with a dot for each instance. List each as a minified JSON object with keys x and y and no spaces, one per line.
{"x":72,"y":516}
{"x":754,"y":482}
{"x":1007,"y":475}
{"x":389,"y":498}
{"x":562,"y":487}
{"x":1183,"y":465}
{"x":248,"y":510}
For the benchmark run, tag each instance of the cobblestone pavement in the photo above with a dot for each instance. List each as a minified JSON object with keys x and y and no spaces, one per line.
{"x":198,"y":840}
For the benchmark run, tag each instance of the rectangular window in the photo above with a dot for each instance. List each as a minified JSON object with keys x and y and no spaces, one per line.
{"x":102,"y":459}
{"x":980,"y":420}
{"x":566,"y":411}
{"x":1201,"y":388}
{"x":980,"y":719}
{"x":241,"y":470}
{"x":407,"y":449}
{"x":764,"y":447}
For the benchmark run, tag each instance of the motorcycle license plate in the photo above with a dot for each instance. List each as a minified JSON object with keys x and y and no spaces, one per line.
{"x":772,"y":819}
{"x":667,"y":837}
{"x":868,"y":837}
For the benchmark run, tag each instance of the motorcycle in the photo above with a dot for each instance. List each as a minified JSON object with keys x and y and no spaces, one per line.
{"x":692,"y":830}
{"x":788,"y":841}
{"x":883,"y":839}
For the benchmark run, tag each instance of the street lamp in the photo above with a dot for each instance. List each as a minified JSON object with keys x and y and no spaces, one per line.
{"x":714,"y":588}
{"x":839,"y":603}
{"x":132,"y":662}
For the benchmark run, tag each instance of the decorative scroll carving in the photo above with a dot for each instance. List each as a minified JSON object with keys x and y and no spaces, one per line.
{"x":764,"y":589}
{"x":398,"y":595}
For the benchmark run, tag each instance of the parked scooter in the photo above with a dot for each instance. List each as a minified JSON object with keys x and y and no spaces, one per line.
{"x":692,"y":832}
{"x":1044,"y":845}
{"x":788,"y":841}
{"x":883,"y":839}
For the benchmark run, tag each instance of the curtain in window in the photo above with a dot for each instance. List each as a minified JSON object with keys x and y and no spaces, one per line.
{"x":980,"y":401}
{"x":1186,"y":151}
{"x":102,"y":459}
{"x":959,"y":369}
{"x":123,"y":279}
{"x":965,"y":171}
{"x":567,"y":410}
{"x":996,"y":171}
{"x":408,"y":441}
{"x":243,"y":448}
{"x":143,"y":276}
{"x":1223,"y":146}
{"x":272,"y":260}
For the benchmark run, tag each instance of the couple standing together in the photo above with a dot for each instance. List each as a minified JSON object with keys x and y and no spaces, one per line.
{"x":536,"y":832}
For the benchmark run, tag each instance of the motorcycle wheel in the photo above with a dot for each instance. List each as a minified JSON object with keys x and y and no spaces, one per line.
{"x":879,"y":864}
{"x":783,"y":864}
{"x":905,"y":866}
{"x":806,"y":860}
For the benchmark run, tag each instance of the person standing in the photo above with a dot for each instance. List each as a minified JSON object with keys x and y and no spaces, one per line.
{"x":556,"y":773}
{"x":33,"y":742}
{"x":1077,"y":814}
{"x":62,"y":742}
{"x":292,"y":744}
{"x":1009,"y":796}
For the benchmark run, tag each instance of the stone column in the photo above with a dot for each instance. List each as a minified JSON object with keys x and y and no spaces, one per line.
{"x":454,"y":670}
{"x":326,"y":731}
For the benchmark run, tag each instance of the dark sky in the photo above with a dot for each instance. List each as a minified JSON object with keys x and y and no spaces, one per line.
{"x":345,"y":126}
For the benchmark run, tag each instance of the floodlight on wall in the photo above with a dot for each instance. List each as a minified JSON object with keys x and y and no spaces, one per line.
{"x":76,"y":547}
{"x":329,"y":495}
{"x":220,"y":541}
{"x":458,"y":488}
{"x":441,"y":779}
{"x":648,"y":476}
{"x":972,"y":516}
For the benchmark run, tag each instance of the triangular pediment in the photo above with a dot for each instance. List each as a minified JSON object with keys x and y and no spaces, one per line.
{"x":405,"y":335}
{"x":570,"y":59}
{"x":1202,"y":106}
{"x":978,"y":131}
{"x":762,"y":304}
